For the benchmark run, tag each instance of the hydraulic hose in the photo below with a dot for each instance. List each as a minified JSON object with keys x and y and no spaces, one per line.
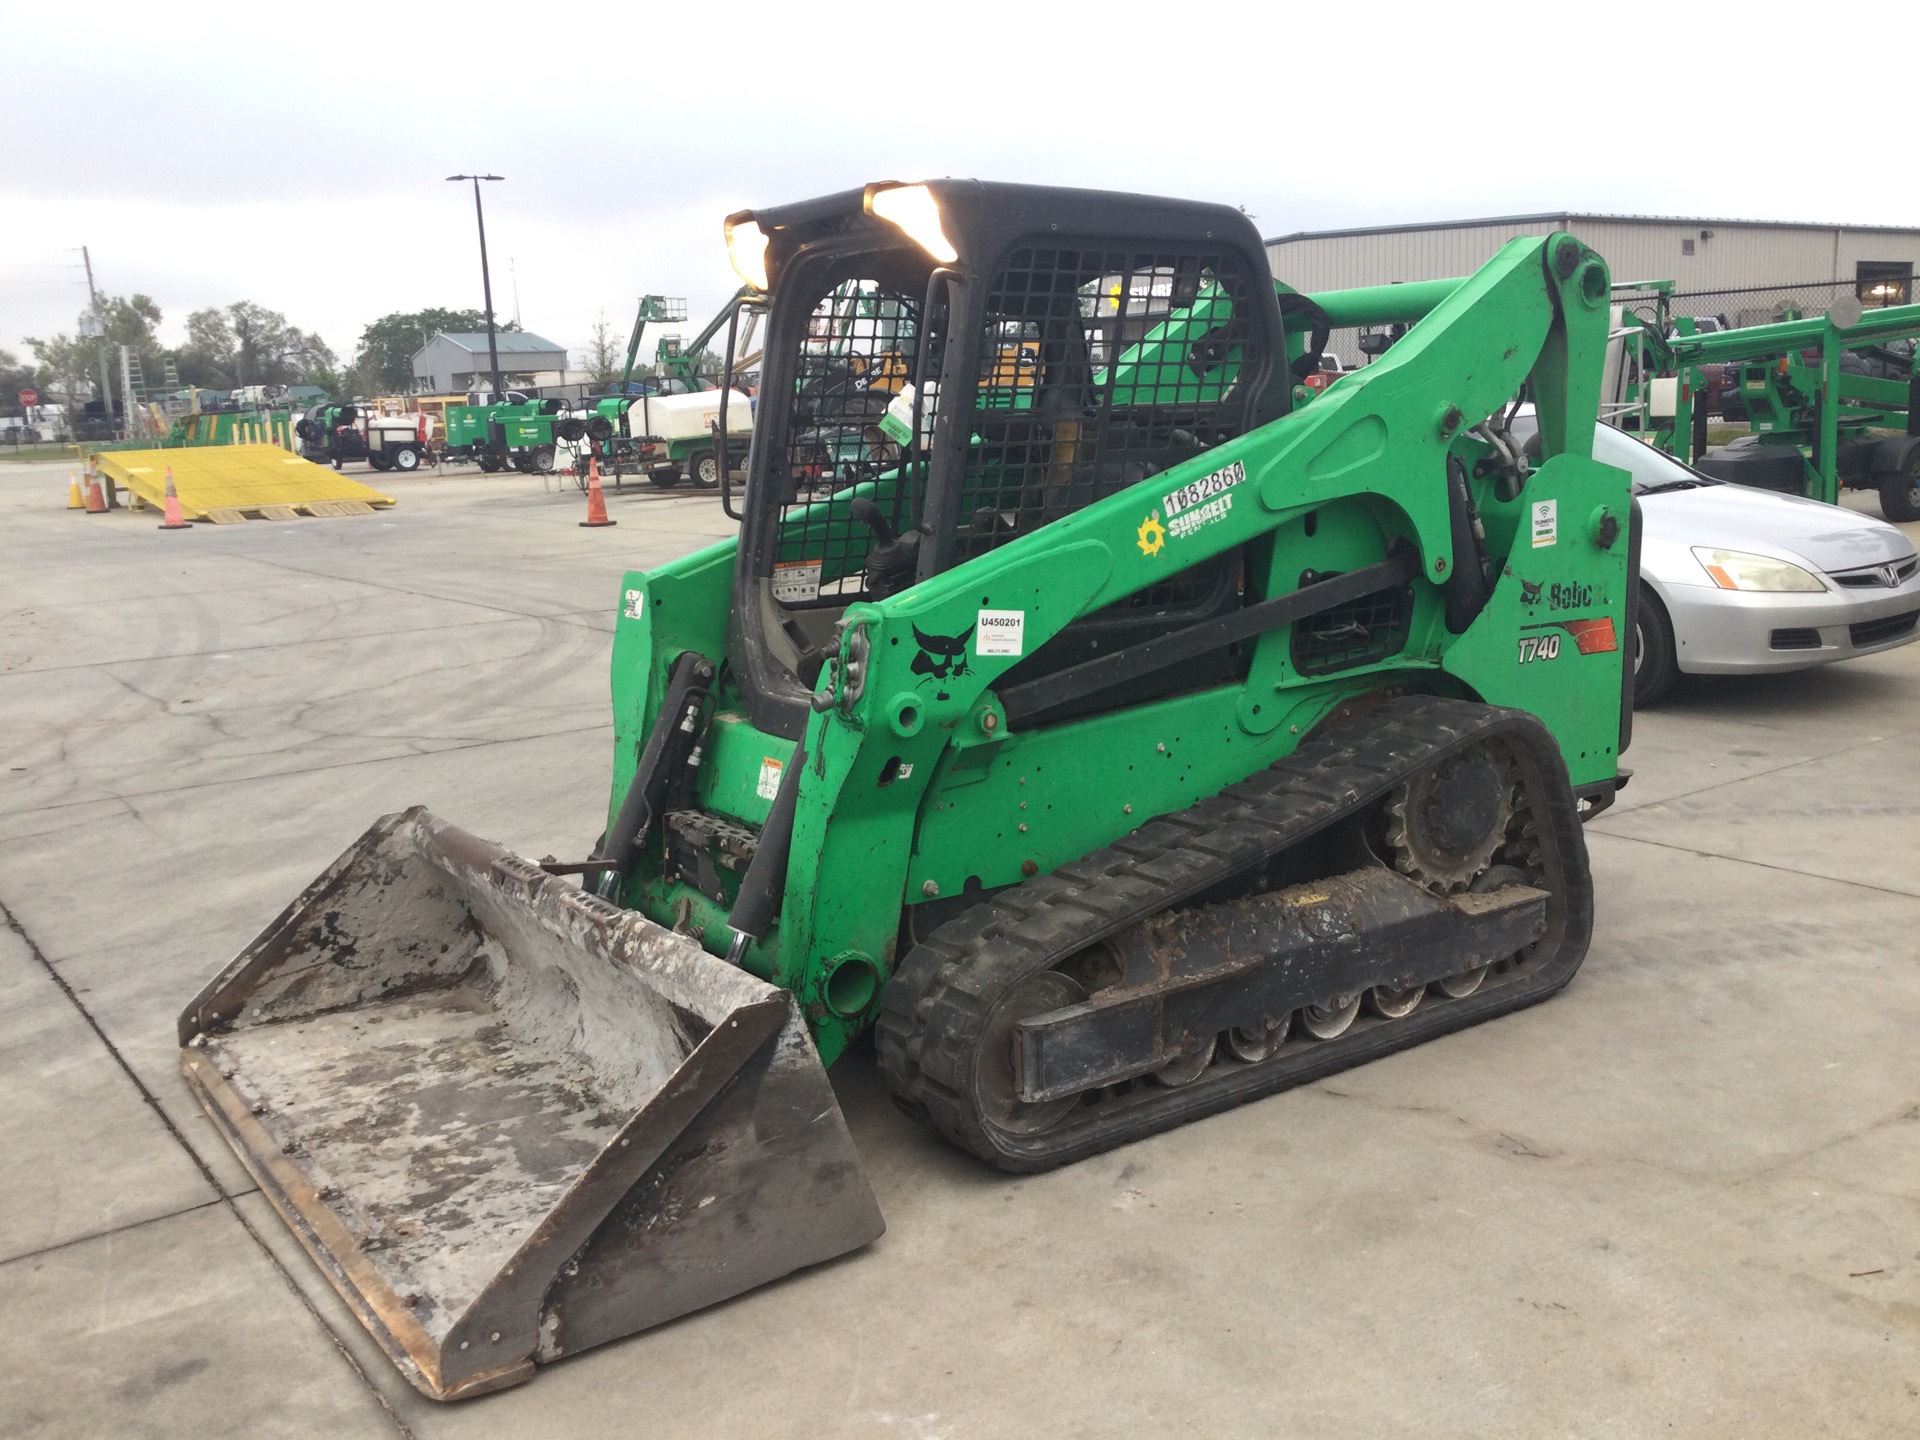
{"x":766,"y":878}
{"x":668,"y":743}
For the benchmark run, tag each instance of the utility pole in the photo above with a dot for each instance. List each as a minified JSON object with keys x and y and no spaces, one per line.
{"x":100,"y":321}
{"x":486,"y":279}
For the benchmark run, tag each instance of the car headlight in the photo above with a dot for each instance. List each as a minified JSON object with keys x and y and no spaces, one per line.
{"x":1737,"y":570}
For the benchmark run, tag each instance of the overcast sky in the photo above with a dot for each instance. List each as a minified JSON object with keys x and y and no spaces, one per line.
{"x":295,"y":157}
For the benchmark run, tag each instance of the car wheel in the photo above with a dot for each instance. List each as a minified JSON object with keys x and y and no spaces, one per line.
{"x":666,"y":479}
{"x":1900,"y":494}
{"x":380,"y":462}
{"x":542,"y":459}
{"x":1654,"y":664}
{"x":405,"y":458}
{"x":705,"y":468}
{"x":489,"y":463}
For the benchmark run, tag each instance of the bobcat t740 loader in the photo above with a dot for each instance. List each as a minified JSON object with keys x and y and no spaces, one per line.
{"x":1117,"y":731}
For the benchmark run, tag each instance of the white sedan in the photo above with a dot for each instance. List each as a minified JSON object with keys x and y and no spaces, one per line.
{"x":1737,"y":581}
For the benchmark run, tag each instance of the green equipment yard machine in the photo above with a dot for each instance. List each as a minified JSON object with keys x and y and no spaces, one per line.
{"x":1833,"y":401}
{"x":666,"y":426}
{"x":1125,"y":745}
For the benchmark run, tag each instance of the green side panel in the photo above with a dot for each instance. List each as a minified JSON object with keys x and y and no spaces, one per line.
{"x":1002,"y":810}
{"x":681,"y":606}
{"x":1553,"y":638}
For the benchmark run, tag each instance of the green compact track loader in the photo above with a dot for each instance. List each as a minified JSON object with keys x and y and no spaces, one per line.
{"x":1138,"y":734}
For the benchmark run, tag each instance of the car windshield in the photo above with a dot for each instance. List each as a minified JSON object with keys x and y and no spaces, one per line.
{"x":1653,"y":472}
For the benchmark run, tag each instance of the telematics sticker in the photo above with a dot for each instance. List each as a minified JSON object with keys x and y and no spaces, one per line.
{"x":796,"y":580}
{"x":1546,"y":523}
{"x":636,"y":607}
{"x":1000,"y":632}
{"x":769,"y":785}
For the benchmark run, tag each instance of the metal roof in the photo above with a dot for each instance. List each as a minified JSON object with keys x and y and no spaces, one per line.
{"x":508,"y":342}
{"x":1564,"y":218}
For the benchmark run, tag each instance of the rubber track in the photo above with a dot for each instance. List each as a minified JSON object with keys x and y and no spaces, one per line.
{"x":939,"y":1001}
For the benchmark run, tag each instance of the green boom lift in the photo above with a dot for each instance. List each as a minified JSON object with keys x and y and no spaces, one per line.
{"x":1818,"y":427}
{"x":664,"y":436}
{"x":1132,"y":745}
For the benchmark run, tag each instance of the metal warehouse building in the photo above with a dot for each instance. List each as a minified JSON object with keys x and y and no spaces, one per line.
{"x":459,"y":361}
{"x":1744,"y":271}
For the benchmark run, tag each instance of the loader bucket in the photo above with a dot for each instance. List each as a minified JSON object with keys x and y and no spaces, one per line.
{"x":510,"y":1120}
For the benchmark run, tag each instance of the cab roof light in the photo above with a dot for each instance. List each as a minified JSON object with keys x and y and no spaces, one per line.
{"x":917,"y":214}
{"x":747,"y":249}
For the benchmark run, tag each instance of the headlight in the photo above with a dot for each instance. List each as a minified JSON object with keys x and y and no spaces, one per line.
{"x":747,"y":249}
{"x":915,"y":211}
{"x":1737,"y":570}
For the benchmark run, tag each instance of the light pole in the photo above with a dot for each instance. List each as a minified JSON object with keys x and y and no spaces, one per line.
{"x":486,"y":280}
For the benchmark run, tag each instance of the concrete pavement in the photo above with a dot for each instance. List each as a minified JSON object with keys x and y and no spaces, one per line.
{"x":1683,"y":1197}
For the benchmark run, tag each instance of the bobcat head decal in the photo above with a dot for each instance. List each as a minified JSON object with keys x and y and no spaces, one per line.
{"x":941,"y":657}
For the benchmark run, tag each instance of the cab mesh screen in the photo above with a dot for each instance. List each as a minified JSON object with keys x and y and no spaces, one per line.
{"x":1099,"y":367}
{"x":858,"y":352}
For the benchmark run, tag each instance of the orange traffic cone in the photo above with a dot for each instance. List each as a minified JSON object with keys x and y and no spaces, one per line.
{"x":75,"y":500}
{"x":596,"y":502}
{"x":96,"y":502}
{"x":174,"y":520}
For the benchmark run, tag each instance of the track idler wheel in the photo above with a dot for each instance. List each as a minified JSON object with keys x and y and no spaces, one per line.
{"x":1188,"y":1068}
{"x":1331,"y":1018}
{"x":1391,"y":1004}
{"x":1253,"y":1044}
{"x":996,"y":1086}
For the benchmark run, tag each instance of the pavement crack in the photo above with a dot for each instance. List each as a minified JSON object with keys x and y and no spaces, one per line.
{"x":111,"y":1230}
{"x":8,"y":918}
{"x":1627,"y":809}
{"x":1762,"y":865}
{"x":449,"y":749}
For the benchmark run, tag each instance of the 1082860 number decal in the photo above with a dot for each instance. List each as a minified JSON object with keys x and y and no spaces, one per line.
{"x":1539,"y":647}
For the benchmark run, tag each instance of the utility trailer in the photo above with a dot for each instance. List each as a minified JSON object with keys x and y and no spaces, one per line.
{"x":1129,"y":744}
{"x":332,"y":433}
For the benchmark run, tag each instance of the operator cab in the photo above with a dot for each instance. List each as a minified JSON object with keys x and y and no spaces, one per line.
{"x":1038,"y":349}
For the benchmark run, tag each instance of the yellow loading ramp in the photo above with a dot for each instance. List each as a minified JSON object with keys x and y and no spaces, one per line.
{"x":227,"y":483}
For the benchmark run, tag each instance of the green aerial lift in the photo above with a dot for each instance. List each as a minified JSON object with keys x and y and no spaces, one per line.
{"x":668,"y":430}
{"x":1130,"y":744}
{"x":1817,"y":425}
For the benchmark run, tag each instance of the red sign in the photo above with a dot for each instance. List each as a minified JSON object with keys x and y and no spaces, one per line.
{"x":29,"y":397}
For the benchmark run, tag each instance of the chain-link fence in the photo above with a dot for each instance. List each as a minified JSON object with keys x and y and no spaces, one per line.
{"x":1729,"y":309}
{"x":1764,"y":304}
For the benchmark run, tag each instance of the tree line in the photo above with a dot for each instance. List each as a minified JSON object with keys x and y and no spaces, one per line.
{"x":227,"y":347}
{"x":245,"y":343}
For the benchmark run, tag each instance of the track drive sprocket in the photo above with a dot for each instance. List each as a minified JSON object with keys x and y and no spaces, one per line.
{"x":1445,"y":824}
